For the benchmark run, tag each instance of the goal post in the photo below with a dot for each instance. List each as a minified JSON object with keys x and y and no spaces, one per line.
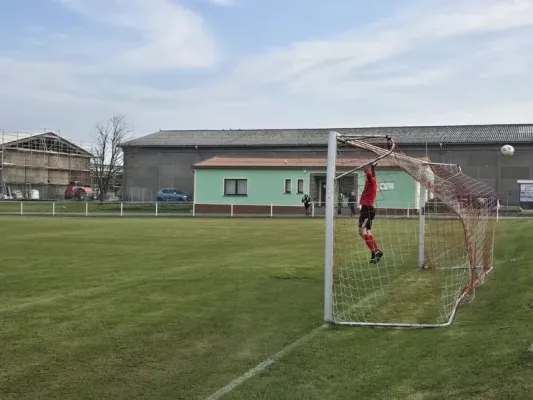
{"x":330,"y":233}
{"x":433,"y":224}
{"x":421,"y":224}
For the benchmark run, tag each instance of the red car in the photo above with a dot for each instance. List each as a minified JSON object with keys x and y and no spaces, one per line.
{"x":77,"y":191}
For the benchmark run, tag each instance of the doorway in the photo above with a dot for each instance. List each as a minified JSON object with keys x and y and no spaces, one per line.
{"x":345,"y":185}
{"x":322,"y":197}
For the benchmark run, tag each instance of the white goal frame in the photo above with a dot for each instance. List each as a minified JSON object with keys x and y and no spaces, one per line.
{"x":331,"y":177}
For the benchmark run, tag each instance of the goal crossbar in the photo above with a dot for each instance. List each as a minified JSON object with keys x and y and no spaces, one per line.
{"x":354,"y":144}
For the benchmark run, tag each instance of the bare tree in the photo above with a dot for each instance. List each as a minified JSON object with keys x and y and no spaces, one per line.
{"x":107,"y":154}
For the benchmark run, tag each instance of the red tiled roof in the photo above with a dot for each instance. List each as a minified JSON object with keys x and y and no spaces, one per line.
{"x":309,"y":162}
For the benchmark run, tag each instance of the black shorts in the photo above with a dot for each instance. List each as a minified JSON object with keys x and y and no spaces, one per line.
{"x":366,"y":216}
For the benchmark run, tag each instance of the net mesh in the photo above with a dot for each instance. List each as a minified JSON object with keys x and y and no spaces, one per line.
{"x":434,"y":225}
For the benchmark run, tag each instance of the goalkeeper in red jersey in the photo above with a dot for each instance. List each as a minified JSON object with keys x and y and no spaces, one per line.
{"x":368,"y":212}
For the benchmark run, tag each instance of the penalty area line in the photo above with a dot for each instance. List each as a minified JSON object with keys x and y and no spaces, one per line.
{"x":265,"y":364}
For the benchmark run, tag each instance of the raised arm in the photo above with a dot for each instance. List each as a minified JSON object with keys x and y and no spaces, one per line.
{"x":370,"y":172}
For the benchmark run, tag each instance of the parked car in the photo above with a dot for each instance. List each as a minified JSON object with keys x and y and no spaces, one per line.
{"x":77,"y":191}
{"x":172,"y":195}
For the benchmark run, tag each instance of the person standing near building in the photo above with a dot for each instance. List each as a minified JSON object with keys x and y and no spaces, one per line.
{"x":307,"y":203}
{"x":351,"y":203}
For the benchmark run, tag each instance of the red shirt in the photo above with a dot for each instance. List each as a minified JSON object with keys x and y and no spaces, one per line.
{"x":368,"y":197}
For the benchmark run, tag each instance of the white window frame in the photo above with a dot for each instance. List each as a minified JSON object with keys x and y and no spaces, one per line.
{"x":298,"y":186}
{"x":285,"y":186}
{"x":234,"y":179}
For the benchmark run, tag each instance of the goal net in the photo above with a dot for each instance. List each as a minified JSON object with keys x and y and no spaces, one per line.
{"x":433,"y":225}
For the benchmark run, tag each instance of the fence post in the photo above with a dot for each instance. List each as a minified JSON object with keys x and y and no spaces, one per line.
{"x":271,"y":209}
{"x":156,"y":208}
{"x":53,"y":208}
{"x":193,"y":208}
{"x":231,"y":210}
{"x":21,"y":208}
{"x":86,"y":209}
{"x":121,"y":209}
{"x":312,"y":209}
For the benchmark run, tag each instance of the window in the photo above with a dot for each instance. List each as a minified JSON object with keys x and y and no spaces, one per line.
{"x":288,"y":186}
{"x":300,"y":186}
{"x":235,"y":187}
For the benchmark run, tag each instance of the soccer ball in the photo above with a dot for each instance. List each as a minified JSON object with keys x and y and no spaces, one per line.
{"x":507,"y":150}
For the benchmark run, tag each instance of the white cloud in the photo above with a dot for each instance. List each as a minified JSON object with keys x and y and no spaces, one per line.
{"x":334,"y":59}
{"x":462,"y":62}
{"x":171,"y":36}
{"x":223,"y":3}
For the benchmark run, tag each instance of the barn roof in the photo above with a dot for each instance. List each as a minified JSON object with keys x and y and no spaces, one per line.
{"x":453,"y":134}
{"x":303,"y":162}
{"x":47,"y":141}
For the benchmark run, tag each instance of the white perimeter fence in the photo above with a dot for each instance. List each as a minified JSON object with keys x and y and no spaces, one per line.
{"x":95,"y":208}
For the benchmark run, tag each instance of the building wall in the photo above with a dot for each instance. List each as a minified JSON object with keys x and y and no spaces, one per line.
{"x":146,"y":170}
{"x":49,"y":173}
{"x":401,"y":195}
{"x":38,"y":159}
{"x":486,"y":164}
{"x":265,"y":186}
{"x":397,"y":189}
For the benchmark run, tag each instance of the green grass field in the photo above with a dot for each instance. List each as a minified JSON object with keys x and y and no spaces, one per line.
{"x":110,"y":308}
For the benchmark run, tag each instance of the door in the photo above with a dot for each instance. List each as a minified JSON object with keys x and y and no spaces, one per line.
{"x":322,"y":193}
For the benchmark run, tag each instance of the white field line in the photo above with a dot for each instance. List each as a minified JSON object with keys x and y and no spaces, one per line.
{"x":265,"y":364}
{"x":272,"y":359}
{"x":280,"y":354}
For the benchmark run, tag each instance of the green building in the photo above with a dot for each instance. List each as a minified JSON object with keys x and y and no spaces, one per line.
{"x":239,"y":185}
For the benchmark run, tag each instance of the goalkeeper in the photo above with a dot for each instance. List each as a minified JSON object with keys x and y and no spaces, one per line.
{"x":368,"y":212}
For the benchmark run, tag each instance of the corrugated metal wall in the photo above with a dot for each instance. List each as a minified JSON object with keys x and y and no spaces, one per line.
{"x":148,"y":170}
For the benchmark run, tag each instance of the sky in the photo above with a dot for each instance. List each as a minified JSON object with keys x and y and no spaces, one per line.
{"x":242,"y":64}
